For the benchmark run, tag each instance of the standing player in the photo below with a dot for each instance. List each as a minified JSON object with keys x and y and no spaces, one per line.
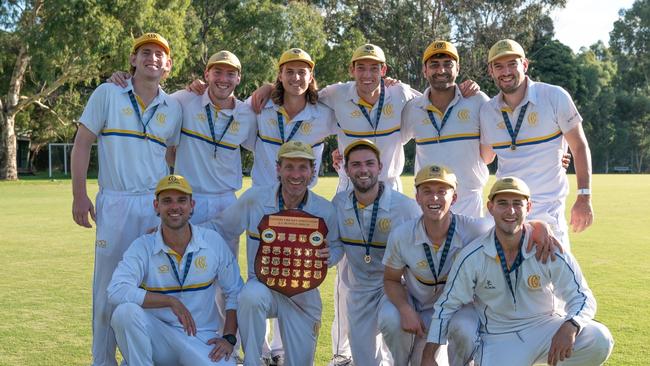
{"x":445,"y":126}
{"x":169,"y":316}
{"x":292,"y":114}
{"x":365,"y":217}
{"x":298,"y":316}
{"x":418,"y":257}
{"x":528,"y":125}
{"x":133,"y":128}
{"x":515,"y":295}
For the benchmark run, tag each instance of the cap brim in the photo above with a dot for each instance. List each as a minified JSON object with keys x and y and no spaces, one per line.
{"x":373,"y":58}
{"x":154,"y":41}
{"x":374,"y":148}
{"x":509,"y":191}
{"x":455,"y":57}
{"x":435,"y":180}
{"x":310,"y":63}
{"x":238,"y":67}
{"x":504,"y":54}
{"x":180,"y":189}
{"x":297,"y":155}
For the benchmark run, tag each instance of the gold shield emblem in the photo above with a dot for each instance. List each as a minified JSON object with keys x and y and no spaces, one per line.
{"x":127,"y":111}
{"x":348,"y":222}
{"x":271,"y":122}
{"x":161,"y":118}
{"x":200,"y":263}
{"x":234,"y":127}
{"x":384,"y":225}
{"x":532,"y":119}
{"x":534,"y":282}
{"x":163,"y":269}
{"x":305,"y":128}
{"x":463,"y":115}
{"x":355,"y":113}
{"x":388,"y":110}
{"x":201,"y":117}
{"x":501,"y":125}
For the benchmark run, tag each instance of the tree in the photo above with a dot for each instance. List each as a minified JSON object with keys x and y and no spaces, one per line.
{"x":61,"y":42}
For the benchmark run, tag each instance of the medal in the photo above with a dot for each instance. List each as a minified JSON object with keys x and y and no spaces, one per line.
{"x":513,"y":147}
{"x":367,"y":259}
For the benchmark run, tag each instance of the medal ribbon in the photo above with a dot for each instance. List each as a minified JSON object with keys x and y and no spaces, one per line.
{"x":188,"y":263}
{"x":373,"y":218}
{"x":515,"y":265}
{"x":208,"y":113}
{"x":380,"y":107}
{"x":281,"y":127}
{"x":445,"y":250}
{"x":281,"y":200}
{"x":134,"y":103}
{"x":520,"y":119}
{"x":442,"y":124}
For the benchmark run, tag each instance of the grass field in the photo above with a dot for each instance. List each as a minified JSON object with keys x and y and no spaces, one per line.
{"x":45,"y":291}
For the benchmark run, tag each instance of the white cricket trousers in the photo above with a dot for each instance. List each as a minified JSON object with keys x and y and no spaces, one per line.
{"x":121,"y":218}
{"x":366,"y":341}
{"x":145,"y":340}
{"x":463,"y":337}
{"x":298,"y":317}
{"x":529,"y":347}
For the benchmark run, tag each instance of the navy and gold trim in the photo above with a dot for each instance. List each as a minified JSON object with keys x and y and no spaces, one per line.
{"x":136,"y":134}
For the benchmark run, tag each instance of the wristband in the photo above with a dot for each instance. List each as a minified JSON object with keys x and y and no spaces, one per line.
{"x":575,"y":324}
{"x":584,"y":191}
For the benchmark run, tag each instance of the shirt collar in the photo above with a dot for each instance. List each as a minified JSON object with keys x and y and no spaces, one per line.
{"x":272,"y":199}
{"x":384,"y":200}
{"x":491,"y":248}
{"x":308,"y":113}
{"x":353,"y":96}
{"x":205,"y":100}
{"x":193,"y":246}
{"x":421,"y":235}
{"x":161,"y":98}
{"x":530,"y":96}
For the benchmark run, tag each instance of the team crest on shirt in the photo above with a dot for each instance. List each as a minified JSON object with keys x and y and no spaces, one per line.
{"x":200,"y":263}
{"x":348,"y":222}
{"x":127,"y":111}
{"x":533,"y":119}
{"x":534,"y":282}
{"x":463,"y":115}
{"x":355,"y":113}
{"x":501,"y":125}
{"x":234,"y":127}
{"x":388,"y":110}
{"x":201,"y":117}
{"x":161,"y":118}
{"x":422,"y":264}
{"x":384,"y":225}
{"x":306,"y":128}
{"x":426,"y":121}
{"x":272,"y":122}
{"x":163,"y":269}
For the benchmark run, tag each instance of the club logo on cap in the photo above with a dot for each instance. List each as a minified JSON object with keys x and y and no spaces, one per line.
{"x":439,"y":45}
{"x":370,"y":49}
{"x":508,"y":180}
{"x":295,"y":51}
{"x":435,"y":169}
{"x":503,"y":45}
{"x":298,"y":143}
{"x":172,"y":180}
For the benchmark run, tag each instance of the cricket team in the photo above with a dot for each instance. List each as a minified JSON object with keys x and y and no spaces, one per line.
{"x":430,"y":281}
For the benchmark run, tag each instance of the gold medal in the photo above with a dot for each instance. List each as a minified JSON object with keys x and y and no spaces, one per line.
{"x":513,"y":147}
{"x":367,"y":258}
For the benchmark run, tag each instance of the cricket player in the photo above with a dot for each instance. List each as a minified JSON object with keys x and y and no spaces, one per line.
{"x":292,"y":114}
{"x":164,"y":289}
{"x":529,"y":125}
{"x":515,"y":295}
{"x":298,"y":316}
{"x":445,"y":126}
{"x":365,"y":217}
{"x":133,"y":127}
{"x":418,"y":257}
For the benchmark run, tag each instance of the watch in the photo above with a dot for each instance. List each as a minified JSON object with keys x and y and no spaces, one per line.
{"x":584,"y":191}
{"x":575,"y":324}
{"x":230,"y":339}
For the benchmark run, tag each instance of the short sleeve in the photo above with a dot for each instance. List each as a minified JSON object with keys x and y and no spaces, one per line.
{"x":95,"y":113}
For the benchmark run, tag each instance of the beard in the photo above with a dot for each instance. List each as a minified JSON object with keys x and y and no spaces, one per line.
{"x":364,"y":187}
{"x":444,"y":84}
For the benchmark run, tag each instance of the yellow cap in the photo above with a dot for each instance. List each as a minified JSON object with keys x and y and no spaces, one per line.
{"x":175,"y":182}
{"x":436,"y":173}
{"x":368,"y":52}
{"x":296,"y":149}
{"x":151,"y":38}
{"x":505,"y":47}
{"x":509,"y":185}
{"x":295,"y":54}
{"x":361,"y":142}
{"x":437,"y":47}
{"x":224,"y":58}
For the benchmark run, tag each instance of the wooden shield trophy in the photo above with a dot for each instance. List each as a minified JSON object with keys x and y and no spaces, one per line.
{"x":286,"y":258}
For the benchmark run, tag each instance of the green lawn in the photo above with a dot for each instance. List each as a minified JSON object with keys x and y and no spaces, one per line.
{"x":45,"y":292}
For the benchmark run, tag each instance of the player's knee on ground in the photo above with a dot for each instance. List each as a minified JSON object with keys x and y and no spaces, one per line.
{"x":462,"y":332}
{"x":127,"y":315}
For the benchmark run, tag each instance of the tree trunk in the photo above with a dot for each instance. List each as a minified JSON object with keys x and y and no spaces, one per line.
{"x":8,"y":169}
